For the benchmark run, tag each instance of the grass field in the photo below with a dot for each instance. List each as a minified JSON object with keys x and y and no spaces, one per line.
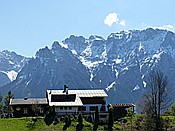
{"x":27,"y":124}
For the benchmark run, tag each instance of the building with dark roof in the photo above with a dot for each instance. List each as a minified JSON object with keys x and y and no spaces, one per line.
{"x":29,"y":106}
{"x":65,"y":101}
{"x":120,"y":110}
{"x":73,"y":101}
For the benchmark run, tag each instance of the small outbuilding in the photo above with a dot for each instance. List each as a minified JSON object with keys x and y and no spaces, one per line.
{"x":120,"y":110}
{"x":29,"y":106}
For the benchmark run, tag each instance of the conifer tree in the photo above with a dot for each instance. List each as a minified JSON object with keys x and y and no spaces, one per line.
{"x":110,"y":119}
{"x":50,"y":116}
{"x":7,"y":108}
{"x":96,"y":121}
{"x":80,"y":119}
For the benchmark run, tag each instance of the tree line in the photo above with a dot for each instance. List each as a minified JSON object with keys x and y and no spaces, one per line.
{"x":5,"y":108}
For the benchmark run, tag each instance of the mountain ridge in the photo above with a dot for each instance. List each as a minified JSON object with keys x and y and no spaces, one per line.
{"x":118,"y":64}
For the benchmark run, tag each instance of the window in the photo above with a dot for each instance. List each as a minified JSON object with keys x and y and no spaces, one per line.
{"x":41,"y":110}
{"x":70,"y":108}
{"x":61,"y":108}
{"x":79,"y":108}
{"x":84,"y":108}
{"x":25,"y":111}
{"x":63,"y":98}
{"x":65,"y":108}
{"x":92,"y":108}
{"x":103,"y":116}
{"x":18,"y":108}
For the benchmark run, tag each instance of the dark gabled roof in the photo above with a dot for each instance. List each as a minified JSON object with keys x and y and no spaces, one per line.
{"x":92,"y":100}
{"x":123,"y":105}
{"x":28,"y":101}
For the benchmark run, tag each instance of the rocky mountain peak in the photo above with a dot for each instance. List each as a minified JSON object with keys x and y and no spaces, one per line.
{"x":10,"y":65}
{"x":44,"y":53}
{"x":119,"y":64}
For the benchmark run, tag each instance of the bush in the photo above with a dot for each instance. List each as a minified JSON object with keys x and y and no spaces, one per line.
{"x":117,"y":127}
{"x":50,"y":116}
{"x":56,"y":121}
{"x":69,"y":120}
{"x":47,"y":119}
{"x":80,"y":119}
{"x":111,"y":119}
{"x":138,"y":123}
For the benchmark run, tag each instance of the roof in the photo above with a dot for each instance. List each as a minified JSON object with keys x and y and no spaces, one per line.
{"x":123,"y":105}
{"x":28,"y":101}
{"x":77,"y":102}
{"x":79,"y":94}
{"x":93,"y":100}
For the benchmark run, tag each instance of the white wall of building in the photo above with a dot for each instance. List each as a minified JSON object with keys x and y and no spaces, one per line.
{"x":88,"y":106}
{"x":64,"y":110}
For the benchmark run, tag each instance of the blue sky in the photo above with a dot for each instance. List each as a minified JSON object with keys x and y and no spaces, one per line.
{"x":28,"y":25}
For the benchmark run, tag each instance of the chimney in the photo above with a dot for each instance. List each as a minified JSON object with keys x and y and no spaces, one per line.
{"x":65,"y":89}
{"x":25,"y":98}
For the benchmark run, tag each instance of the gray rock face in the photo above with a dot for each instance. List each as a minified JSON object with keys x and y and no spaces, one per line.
{"x":119,"y":64}
{"x":10,"y":65}
{"x":50,"y":69}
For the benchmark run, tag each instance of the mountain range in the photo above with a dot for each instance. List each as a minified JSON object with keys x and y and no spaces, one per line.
{"x":119,"y":64}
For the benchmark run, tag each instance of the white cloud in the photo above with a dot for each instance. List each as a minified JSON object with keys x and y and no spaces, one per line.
{"x":122,"y":23}
{"x":112,"y":18}
{"x":168,"y":27}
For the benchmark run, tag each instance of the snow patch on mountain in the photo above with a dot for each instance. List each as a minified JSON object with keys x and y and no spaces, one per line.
{"x":116,"y":73}
{"x":11,"y":74}
{"x":157,"y":56}
{"x":141,"y":47}
{"x":91,"y":76}
{"x":104,"y":55}
{"x":63,"y":45}
{"x":10,"y":62}
{"x":144,"y":84}
{"x":125,"y":69}
{"x":89,"y":64}
{"x":74,"y":52}
{"x":137,"y":87}
{"x":87,"y":52}
{"x":118,"y":61}
{"x":110,"y":86}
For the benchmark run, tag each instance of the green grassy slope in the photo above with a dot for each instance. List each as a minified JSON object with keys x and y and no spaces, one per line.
{"x":26,"y":124}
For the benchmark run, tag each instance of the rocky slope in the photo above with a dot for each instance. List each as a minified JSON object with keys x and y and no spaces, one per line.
{"x":119,"y":64}
{"x":10,"y":64}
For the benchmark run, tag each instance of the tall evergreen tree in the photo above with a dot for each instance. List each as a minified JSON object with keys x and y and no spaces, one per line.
{"x":110,"y":119}
{"x":50,"y":116}
{"x":80,"y":125}
{"x":1,"y":104}
{"x":80,"y":119}
{"x":7,"y":108}
{"x":96,"y":120}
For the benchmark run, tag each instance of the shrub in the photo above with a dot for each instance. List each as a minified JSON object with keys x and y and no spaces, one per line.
{"x":80,"y":119}
{"x":56,"y":121}
{"x":49,"y":117}
{"x":69,"y":120}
